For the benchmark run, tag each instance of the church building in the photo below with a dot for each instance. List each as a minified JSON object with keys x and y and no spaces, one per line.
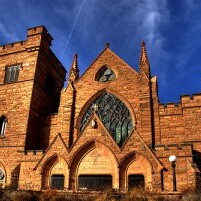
{"x":104,"y":129}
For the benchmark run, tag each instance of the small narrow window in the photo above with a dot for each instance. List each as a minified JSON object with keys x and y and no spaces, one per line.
{"x":12,"y":74}
{"x":57,"y":181}
{"x":2,"y":125}
{"x":49,"y":85}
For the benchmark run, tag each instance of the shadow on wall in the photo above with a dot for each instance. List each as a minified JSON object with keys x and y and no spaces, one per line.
{"x":15,"y":177}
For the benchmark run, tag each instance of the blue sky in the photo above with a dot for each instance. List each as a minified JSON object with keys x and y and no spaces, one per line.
{"x":170,"y":28}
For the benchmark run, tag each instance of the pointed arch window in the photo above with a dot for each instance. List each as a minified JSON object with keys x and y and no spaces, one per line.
{"x":3,"y":121}
{"x":105,"y":74}
{"x":114,"y":115}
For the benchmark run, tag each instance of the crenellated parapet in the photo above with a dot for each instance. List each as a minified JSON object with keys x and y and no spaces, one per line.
{"x":191,"y":101}
{"x":32,"y":43}
{"x":13,"y":47}
{"x":170,"y":109}
{"x":38,"y":36}
{"x":186,"y":101}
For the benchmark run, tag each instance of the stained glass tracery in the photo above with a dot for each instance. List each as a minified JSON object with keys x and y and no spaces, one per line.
{"x":114,"y":115}
{"x":105,"y":75}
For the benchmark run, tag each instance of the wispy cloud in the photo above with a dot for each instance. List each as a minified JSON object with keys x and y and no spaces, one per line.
{"x":8,"y":34}
{"x":171,"y":30}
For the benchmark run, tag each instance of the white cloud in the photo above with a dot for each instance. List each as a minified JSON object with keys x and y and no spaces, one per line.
{"x":8,"y":34}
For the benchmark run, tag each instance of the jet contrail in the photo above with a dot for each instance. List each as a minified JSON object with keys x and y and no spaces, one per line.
{"x":73,"y":28}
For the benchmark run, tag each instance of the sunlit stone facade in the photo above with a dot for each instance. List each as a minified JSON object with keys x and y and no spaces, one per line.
{"x":105,"y":128}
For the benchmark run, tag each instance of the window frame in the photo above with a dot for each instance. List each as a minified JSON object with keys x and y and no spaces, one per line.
{"x":12,"y":73}
{"x":102,"y":77}
{"x":136,"y":181}
{"x":3,"y":122}
{"x":113,"y":113}
{"x":52,"y":184}
{"x":95,"y":182}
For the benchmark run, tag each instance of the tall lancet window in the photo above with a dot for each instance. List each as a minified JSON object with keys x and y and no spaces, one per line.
{"x":3,"y":121}
{"x":114,"y":115}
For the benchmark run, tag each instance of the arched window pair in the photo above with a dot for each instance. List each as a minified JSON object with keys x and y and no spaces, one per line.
{"x":3,"y":121}
{"x":114,"y":115}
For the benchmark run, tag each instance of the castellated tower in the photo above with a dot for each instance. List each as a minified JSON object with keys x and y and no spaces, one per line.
{"x":31,"y":79}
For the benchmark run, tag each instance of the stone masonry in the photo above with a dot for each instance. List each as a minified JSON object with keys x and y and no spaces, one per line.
{"x":53,"y":131}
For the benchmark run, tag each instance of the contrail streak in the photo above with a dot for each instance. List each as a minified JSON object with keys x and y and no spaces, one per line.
{"x":73,"y":28}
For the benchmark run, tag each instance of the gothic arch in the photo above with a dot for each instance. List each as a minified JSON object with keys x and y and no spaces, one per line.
{"x":99,"y":93}
{"x":105,"y":74}
{"x":135,"y":163}
{"x":113,"y":110}
{"x":79,"y":163}
{"x":75,"y":162}
{"x":50,"y":167}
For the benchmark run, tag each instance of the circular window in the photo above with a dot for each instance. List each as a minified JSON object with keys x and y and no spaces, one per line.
{"x":105,"y":74}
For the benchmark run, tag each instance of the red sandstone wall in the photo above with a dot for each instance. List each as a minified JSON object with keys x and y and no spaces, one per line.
{"x":131,"y":88}
{"x":182,"y":122}
{"x":23,"y":102}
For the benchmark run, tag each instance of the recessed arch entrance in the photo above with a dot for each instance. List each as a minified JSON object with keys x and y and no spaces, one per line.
{"x":55,"y":173}
{"x":94,"y":167}
{"x":135,"y":171}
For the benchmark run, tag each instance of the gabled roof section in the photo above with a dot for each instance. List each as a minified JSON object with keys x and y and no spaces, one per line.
{"x":135,"y":140}
{"x":105,"y":136}
{"x":53,"y":149}
{"x":107,"y":50}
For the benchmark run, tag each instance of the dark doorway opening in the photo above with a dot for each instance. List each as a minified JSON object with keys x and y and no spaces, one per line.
{"x":57,"y":181}
{"x":94,"y":182}
{"x":136,"y":181}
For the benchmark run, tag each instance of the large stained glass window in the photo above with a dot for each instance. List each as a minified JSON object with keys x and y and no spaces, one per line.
{"x":114,"y":115}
